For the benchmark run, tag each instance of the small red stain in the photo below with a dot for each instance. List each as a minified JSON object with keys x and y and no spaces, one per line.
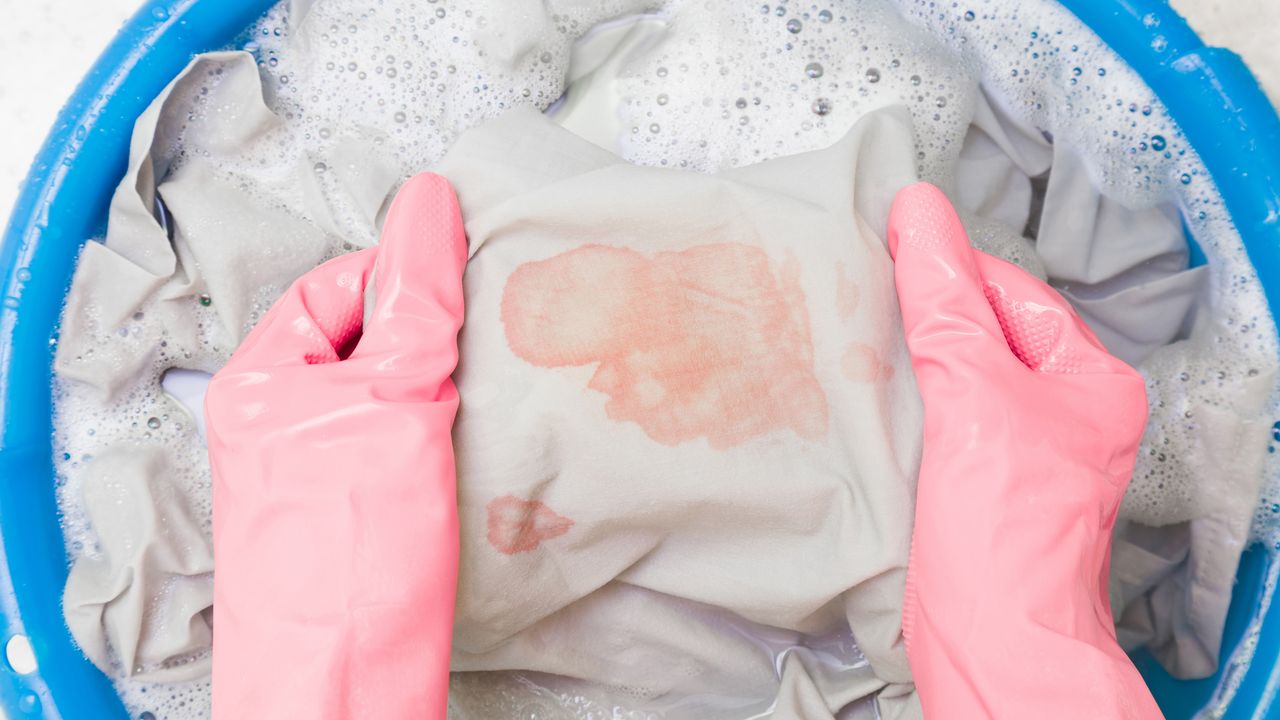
{"x":861,"y":363}
{"x":517,"y":525}
{"x":848,"y":293}
{"x":710,"y":342}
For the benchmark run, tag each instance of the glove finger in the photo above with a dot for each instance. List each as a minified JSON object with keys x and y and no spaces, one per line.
{"x":316,"y":319}
{"x":1039,"y":325}
{"x":421,"y":256}
{"x":944,"y":308}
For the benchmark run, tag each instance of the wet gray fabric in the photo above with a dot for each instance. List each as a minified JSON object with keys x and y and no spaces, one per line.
{"x":776,"y":484}
{"x":1132,"y":284}
{"x":151,"y":547}
{"x":241,"y":233}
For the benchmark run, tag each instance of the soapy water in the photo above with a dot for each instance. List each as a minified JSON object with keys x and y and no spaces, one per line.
{"x":702,"y":86}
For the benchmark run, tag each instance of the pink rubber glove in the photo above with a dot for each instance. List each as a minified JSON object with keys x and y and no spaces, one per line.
{"x":335,"y":520}
{"x":1031,"y":430}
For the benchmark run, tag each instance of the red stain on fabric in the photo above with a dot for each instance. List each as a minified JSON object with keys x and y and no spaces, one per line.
{"x":861,"y":363}
{"x":517,"y":525}
{"x":848,"y":293}
{"x":711,"y":342}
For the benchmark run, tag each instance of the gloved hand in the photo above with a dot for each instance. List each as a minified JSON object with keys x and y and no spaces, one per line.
{"x":335,"y":521}
{"x":1031,"y":430}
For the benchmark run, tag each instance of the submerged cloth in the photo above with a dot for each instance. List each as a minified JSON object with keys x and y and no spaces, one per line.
{"x":683,"y":391}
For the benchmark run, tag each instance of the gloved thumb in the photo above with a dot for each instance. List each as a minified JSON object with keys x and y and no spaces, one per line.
{"x":1041,"y":327}
{"x":421,"y":257}
{"x":945,"y":311}
{"x":312,"y":322}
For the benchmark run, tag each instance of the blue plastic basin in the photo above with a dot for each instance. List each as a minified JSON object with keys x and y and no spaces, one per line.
{"x":1208,"y":91}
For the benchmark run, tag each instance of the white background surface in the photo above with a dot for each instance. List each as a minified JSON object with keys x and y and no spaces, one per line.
{"x":49,"y":44}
